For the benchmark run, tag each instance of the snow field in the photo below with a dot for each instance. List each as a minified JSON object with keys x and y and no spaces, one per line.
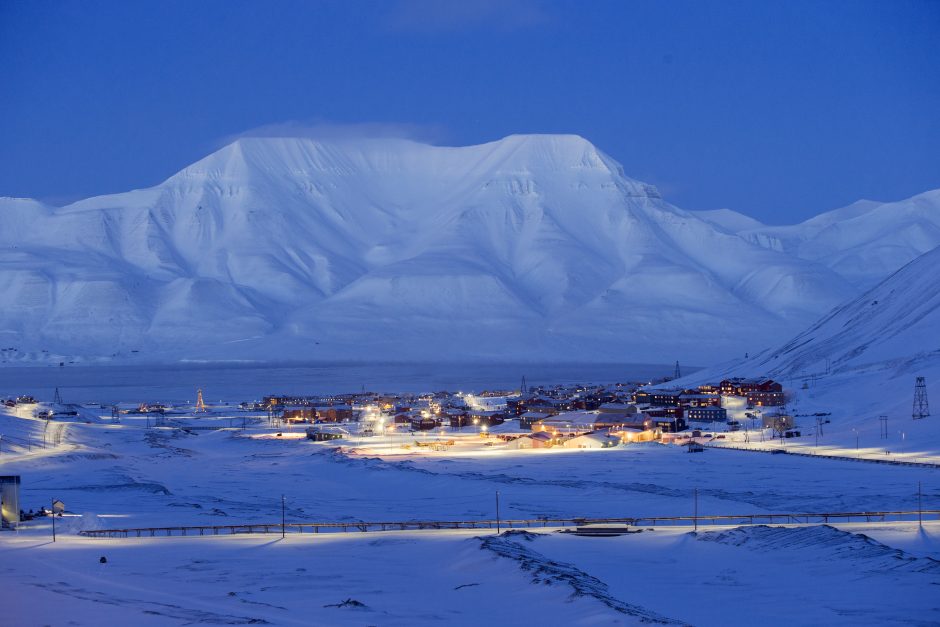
{"x":116,"y":476}
{"x":815,"y":575}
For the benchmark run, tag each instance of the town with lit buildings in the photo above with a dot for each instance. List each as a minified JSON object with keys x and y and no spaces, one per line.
{"x":541,"y":417}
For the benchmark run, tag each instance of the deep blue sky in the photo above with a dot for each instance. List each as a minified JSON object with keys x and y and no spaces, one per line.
{"x":776,"y":109}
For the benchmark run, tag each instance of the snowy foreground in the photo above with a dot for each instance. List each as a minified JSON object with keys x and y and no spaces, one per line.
{"x":116,"y":476}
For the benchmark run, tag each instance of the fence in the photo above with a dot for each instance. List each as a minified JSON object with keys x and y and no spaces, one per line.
{"x":652,"y":521}
{"x":846,"y":458}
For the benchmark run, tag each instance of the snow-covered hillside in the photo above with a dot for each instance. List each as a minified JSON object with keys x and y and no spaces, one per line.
{"x":531,"y":247}
{"x":860,"y":362}
{"x":862,"y":242}
{"x":895,"y":322}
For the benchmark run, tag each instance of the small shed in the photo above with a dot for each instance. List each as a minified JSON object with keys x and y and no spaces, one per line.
{"x":539,"y":439}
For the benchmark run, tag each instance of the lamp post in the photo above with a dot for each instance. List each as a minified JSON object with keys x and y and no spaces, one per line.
{"x":854,"y":430}
{"x":497,"y":512}
{"x":283,"y":516}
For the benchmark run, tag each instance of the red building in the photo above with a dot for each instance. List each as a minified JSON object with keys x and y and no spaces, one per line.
{"x":762,"y":392}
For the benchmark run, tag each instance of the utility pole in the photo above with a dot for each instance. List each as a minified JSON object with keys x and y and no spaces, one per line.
{"x":920,"y":508}
{"x":695,"y":511}
{"x":53,"y":520}
{"x":497,"y":512}
{"x":282,"y":517}
{"x":884,"y":426}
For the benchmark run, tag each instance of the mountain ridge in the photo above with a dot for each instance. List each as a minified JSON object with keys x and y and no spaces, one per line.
{"x":535,"y":245}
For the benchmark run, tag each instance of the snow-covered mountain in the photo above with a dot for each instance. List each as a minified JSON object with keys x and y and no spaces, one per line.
{"x":531,"y":247}
{"x":863,"y":242}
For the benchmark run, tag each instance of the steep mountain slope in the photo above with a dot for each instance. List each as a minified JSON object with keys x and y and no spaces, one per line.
{"x":896,"y":321}
{"x":862,"y":242}
{"x":526,"y":248}
{"x":858,"y":364}
{"x":729,"y":220}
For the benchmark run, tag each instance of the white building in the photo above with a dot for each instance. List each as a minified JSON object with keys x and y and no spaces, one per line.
{"x":568,"y":423}
{"x":592,"y":440}
{"x":486,"y":403}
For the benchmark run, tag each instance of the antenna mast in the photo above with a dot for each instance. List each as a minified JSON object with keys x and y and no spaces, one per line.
{"x":200,"y":404}
{"x":921,"y":408}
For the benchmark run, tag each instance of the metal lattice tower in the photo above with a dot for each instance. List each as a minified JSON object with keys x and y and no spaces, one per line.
{"x":200,"y":404}
{"x":678,"y":373}
{"x":523,"y":389}
{"x":921,"y":408}
{"x":57,"y":399}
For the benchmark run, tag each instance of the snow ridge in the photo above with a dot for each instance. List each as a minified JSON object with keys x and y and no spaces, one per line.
{"x":861,"y":242}
{"x":546,"y":571}
{"x":870,"y":554}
